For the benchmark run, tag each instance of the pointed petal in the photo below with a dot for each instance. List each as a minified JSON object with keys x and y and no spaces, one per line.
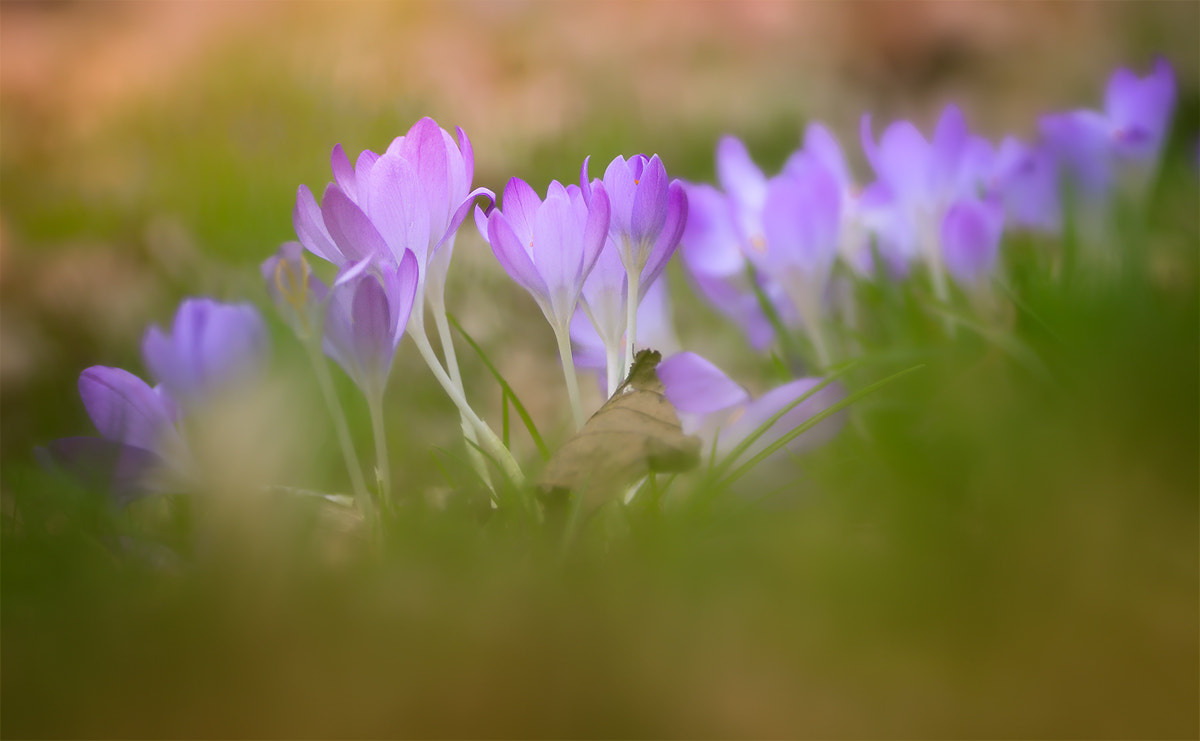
{"x":741,"y":179}
{"x":343,"y":172}
{"x":595,"y":230}
{"x":521,"y":203}
{"x":350,"y":228}
{"x":511,"y":252}
{"x":401,"y":287}
{"x":649,"y":203}
{"x":668,"y":237}
{"x":558,"y":254}
{"x":694,"y":385}
{"x":397,"y":207}
{"x":768,"y":405}
{"x":310,"y":228}
{"x":123,"y":407}
{"x":971,"y":234}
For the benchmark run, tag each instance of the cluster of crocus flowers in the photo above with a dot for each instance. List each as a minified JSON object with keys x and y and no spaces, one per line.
{"x":940,"y":203}
{"x":211,"y":348}
{"x":764,"y":249}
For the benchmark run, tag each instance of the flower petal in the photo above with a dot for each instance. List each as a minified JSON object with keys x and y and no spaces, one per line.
{"x":971,"y":234}
{"x":310,"y":228}
{"x":694,"y":385}
{"x":123,"y":407}
{"x":398,"y":209}
{"x":649,"y":204}
{"x":513,"y":257}
{"x":350,"y":228}
{"x":769,"y":404}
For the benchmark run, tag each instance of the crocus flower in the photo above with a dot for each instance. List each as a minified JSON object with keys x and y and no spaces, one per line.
{"x":211,"y":345}
{"x":299,"y":295}
{"x":1124,"y":140}
{"x":138,"y":437}
{"x":1025,"y":178}
{"x":711,"y":405}
{"x":655,"y":331}
{"x":548,"y":247}
{"x":971,"y":235}
{"x":365,"y":320}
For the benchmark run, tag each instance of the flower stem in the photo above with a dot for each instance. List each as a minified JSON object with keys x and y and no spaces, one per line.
{"x":612,"y":357}
{"x":631,"y":308}
{"x":568,"y":365}
{"x":320,"y":366}
{"x":437,"y":304}
{"x":379,"y":432}
{"x":488,"y":439}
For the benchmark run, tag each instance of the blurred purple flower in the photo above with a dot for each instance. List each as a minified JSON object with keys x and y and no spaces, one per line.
{"x":365,"y":320}
{"x":211,"y":345}
{"x":1127,"y":137}
{"x":1026,"y":180}
{"x":711,"y":405}
{"x":548,"y":247}
{"x":971,"y":235}
{"x":299,"y":295}
{"x":655,"y":329}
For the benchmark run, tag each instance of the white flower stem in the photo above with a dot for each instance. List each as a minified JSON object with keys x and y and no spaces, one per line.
{"x":488,"y":439}
{"x":382,"y":470}
{"x":631,"y":308}
{"x":312,"y":344}
{"x":437,"y":305}
{"x":568,"y":365}
{"x":612,"y":358}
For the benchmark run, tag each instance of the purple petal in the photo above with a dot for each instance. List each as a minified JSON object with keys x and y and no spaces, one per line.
{"x":460,"y":214}
{"x":946,"y":149}
{"x":350,"y":228}
{"x":823,"y":145}
{"x":769,"y":404}
{"x":695,"y":386}
{"x":123,"y":407}
{"x":513,"y":257}
{"x":521,"y":204}
{"x":468,"y":156}
{"x":343,"y":172}
{"x":1080,"y":141}
{"x":397,"y":207}
{"x":741,"y":179}
{"x":622,"y":190}
{"x":211,"y":344}
{"x":668,"y":238}
{"x":971,"y":238}
{"x":558,"y":254}
{"x":595,"y":230}
{"x":710,"y":242}
{"x":372,"y":332}
{"x":401,"y":288}
{"x":310,"y":228}
{"x":802,"y":219}
{"x":649,"y":202}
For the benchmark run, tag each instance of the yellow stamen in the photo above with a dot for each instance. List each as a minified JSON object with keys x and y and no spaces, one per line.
{"x":293,"y":290}
{"x":758,"y":243}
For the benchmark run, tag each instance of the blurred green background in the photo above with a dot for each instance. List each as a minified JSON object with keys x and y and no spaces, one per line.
{"x":989,"y":549}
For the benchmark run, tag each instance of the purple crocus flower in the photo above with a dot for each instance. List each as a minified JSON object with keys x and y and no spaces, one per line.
{"x":211,"y":345}
{"x":412,"y":197}
{"x":365,"y":319}
{"x":138,"y":442}
{"x":299,"y":295}
{"x":1123,"y":140}
{"x":971,"y":235}
{"x":711,"y":405}
{"x":655,"y":329}
{"x":548,"y":246}
{"x":1025,"y":178}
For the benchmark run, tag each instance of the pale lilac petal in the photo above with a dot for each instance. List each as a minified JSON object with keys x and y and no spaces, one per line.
{"x":649,"y":210}
{"x":694,"y":385}
{"x":481,"y":223}
{"x":668,"y":238}
{"x":425,"y":149}
{"x":558,"y":254}
{"x":211,"y":344}
{"x":343,"y":172}
{"x":372,"y":332}
{"x":622,"y":190}
{"x":362,"y":173}
{"x":310,"y":228}
{"x":971,"y":235}
{"x":521,"y":204}
{"x":904,"y":160}
{"x":468,"y":156}
{"x":802,"y":218}
{"x":401,"y":288}
{"x":595,"y":230}
{"x":737,"y":173}
{"x":123,"y":407}
{"x":1080,"y":141}
{"x":351,"y":270}
{"x":350,"y":228}
{"x":823,"y":145}
{"x":769,"y":404}
{"x":398,"y":209}
{"x":950,"y":138}
{"x":513,"y":257}
{"x":710,"y":242}
{"x":460,"y":214}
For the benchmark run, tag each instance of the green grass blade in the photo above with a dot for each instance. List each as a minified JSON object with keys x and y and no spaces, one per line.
{"x":810,"y":423}
{"x":516,"y":402}
{"x":504,"y":437}
{"x":753,"y":437}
